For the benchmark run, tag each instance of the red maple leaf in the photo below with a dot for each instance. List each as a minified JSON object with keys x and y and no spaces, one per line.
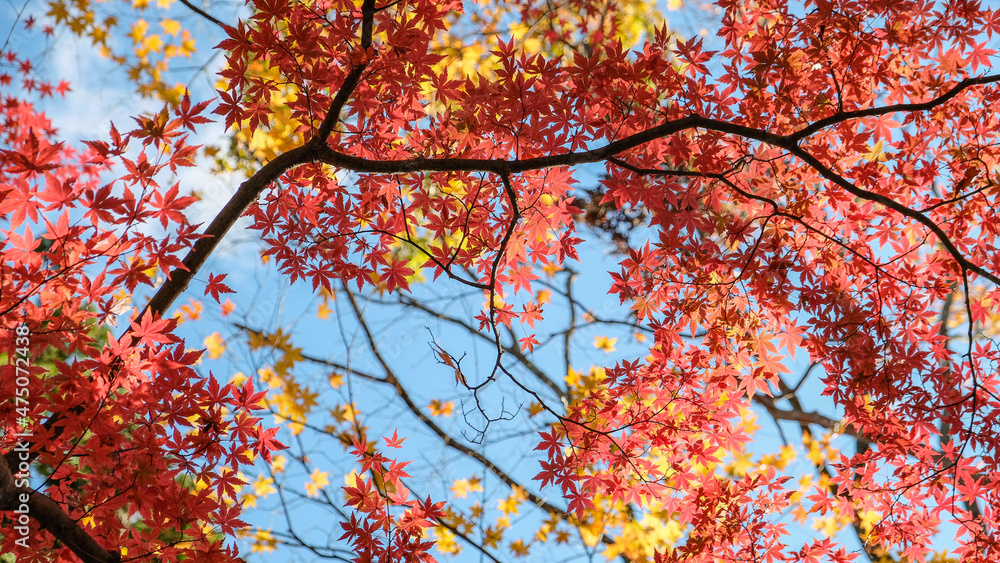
{"x":215,"y":286}
{"x":266,"y":443}
{"x":395,"y":276}
{"x":150,"y":331}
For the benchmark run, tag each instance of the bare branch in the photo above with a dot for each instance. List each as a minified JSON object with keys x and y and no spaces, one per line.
{"x":203,"y":14}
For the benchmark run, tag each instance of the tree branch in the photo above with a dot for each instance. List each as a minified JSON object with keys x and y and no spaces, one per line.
{"x":51,"y":517}
{"x":842,"y":116}
{"x":788,"y":142}
{"x":353,"y":78}
{"x":203,"y":14}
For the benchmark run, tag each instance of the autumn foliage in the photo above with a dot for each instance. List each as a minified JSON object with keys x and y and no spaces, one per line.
{"x":817,"y":192}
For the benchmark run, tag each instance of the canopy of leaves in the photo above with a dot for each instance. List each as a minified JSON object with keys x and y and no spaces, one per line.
{"x":821,"y":186}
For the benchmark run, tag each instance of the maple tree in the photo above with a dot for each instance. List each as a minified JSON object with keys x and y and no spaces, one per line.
{"x":818,"y":190}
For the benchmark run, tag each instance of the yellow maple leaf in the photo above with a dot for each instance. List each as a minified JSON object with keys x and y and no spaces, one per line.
{"x":492,"y":536}
{"x":353,"y":479}
{"x":215,"y":345}
{"x":741,"y":464}
{"x":462,"y":487}
{"x":867,"y":519}
{"x":573,"y":378}
{"x":58,"y":11}
{"x":263,"y":542}
{"x":534,"y":409}
{"x":268,"y":376}
{"x":336,"y":380}
{"x":344,"y":413}
{"x":170,"y":27}
{"x":509,"y":505}
{"x":351,"y":413}
{"x":190,"y":312}
{"x":780,"y":460}
{"x":441,"y":408}
{"x":875,"y":153}
{"x":239,"y":378}
{"x":519,"y":548}
{"x":278,"y":463}
{"x":323,"y":311}
{"x":605,"y":343}
{"x":264,"y":486}
{"x":476,"y":511}
{"x":138,"y":31}
{"x":317,"y":480}
{"x":446,"y":541}
{"x":827,"y":525}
